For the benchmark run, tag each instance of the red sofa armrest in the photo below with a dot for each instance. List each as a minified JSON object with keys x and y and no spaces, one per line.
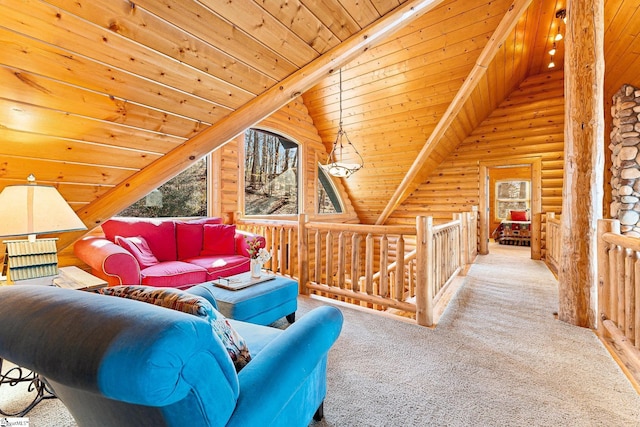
{"x":108,"y":261}
{"x":242,"y":247}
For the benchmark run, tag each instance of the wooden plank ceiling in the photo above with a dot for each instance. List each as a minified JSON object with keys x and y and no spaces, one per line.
{"x":93,"y":93}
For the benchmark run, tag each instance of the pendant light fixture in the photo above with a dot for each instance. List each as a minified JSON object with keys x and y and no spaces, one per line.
{"x":343,"y":149}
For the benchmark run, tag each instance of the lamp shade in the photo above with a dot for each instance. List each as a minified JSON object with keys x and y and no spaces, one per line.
{"x":31,"y":209}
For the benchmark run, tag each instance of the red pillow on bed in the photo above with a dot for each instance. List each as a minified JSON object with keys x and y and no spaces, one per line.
{"x":518,"y":216}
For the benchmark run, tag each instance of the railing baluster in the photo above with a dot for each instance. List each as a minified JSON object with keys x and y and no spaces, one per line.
{"x":329,"y":258}
{"x":400,"y":271}
{"x":355,"y":262}
{"x":620,"y":256}
{"x":636,"y":301}
{"x":342,"y":259}
{"x":613,"y":282}
{"x":317,"y":244}
{"x":384,"y":263}
{"x":368,"y":266}
{"x":629,"y":298}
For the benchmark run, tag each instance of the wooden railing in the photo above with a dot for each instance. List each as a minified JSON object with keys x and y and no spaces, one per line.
{"x":619,"y":290}
{"x":401,"y":267}
{"x":553,"y":241}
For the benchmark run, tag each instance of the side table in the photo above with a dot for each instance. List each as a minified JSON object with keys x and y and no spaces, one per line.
{"x":75,"y":278}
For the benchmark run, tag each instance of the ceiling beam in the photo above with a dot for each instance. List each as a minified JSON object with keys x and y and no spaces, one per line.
{"x":504,"y":28}
{"x":183,"y":156}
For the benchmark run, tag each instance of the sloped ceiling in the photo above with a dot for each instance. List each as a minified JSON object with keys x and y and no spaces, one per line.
{"x":106,"y":98}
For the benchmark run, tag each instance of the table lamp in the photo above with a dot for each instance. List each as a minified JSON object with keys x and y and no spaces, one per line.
{"x":27,"y":210}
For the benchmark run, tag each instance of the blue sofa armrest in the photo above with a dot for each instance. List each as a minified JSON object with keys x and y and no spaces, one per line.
{"x":285,"y":383}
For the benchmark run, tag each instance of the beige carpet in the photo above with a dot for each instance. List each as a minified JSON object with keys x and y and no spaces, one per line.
{"x":498,"y":357}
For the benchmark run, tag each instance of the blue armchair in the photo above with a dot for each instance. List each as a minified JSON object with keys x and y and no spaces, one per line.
{"x":119,"y":362}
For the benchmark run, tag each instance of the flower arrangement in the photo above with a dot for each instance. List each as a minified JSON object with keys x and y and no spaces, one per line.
{"x":256,"y":252}
{"x":263,"y":256}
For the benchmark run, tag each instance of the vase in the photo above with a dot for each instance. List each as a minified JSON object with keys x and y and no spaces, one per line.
{"x":256,"y":268}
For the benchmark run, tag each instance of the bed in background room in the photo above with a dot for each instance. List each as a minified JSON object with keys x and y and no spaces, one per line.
{"x":515,"y":230}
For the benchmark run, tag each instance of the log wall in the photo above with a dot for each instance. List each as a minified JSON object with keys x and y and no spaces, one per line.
{"x":529,"y":123}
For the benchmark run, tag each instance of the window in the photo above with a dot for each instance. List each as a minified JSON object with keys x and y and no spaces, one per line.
{"x":511,"y":196}
{"x":270,"y":174}
{"x":328,"y":200}
{"x":183,"y":196}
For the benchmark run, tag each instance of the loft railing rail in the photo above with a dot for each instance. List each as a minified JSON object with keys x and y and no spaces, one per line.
{"x":379,"y":266}
{"x":553,"y":241}
{"x":619,"y":289}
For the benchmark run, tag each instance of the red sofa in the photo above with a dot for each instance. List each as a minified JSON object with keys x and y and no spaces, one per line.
{"x":166,"y":252}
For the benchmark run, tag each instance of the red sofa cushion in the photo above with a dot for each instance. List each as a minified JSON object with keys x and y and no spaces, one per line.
{"x":219,"y":239}
{"x":160,"y":234}
{"x":222,"y":265}
{"x":173,"y":274}
{"x":139,"y":248}
{"x":190,"y":235}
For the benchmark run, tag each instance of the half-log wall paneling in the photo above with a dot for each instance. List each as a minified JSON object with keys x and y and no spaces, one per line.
{"x":518,"y":128}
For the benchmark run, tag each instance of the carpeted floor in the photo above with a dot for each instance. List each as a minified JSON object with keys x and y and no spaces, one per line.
{"x":498,"y":357}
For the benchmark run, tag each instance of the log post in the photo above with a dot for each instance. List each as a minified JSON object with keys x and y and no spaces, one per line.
{"x":303,"y":255}
{"x":582,"y":191}
{"x":424,"y":271}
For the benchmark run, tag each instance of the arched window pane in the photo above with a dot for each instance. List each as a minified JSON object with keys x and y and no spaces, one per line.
{"x":328,"y":200}
{"x":270,"y":174}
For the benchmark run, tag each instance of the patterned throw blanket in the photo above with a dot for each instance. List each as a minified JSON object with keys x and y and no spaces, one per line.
{"x":513,"y":233}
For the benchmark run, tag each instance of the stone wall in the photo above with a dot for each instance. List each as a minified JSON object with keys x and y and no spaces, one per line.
{"x":625,"y":159}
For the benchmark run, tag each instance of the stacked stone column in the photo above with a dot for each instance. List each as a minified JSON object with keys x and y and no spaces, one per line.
{"x":625,"y":148}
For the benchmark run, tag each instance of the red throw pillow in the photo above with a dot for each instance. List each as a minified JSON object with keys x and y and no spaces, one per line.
{"x":139,"y":248}
{"x":219,"y":239}
{"x":518,"y":215}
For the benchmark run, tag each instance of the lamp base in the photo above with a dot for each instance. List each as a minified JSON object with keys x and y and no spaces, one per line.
{"x":34,"y":383}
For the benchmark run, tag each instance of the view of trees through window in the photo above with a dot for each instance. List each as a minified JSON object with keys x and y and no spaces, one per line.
{"x":270,"y":174}
{"x":183,"y":196}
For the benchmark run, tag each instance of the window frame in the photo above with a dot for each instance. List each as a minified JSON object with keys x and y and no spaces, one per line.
{"x":498,"y":199}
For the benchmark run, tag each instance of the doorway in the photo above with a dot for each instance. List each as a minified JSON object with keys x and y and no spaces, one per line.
{"x":521,"y":168}
{"x":502,"y":202}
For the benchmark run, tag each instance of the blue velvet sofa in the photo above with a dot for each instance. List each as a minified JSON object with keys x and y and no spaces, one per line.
{"x":119,"y":362}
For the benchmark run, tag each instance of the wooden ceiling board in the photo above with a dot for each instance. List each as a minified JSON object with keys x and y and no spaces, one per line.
{"x":18,"y":168}
{"x":142,"y":26}
{"x":255,"y":20}
{"x":334,"y":16}
{"x":74,"y":34}
{"x":31,"y":89}
{"x":200,"y":22}
{"x":362,"y":11}
{"x":302,"y":22}
{"x":622,"y":46}
{"x":52,"y":148}
{"x":21,"y":117}
{"x":544,"y":39}
{"x":60,"y":65}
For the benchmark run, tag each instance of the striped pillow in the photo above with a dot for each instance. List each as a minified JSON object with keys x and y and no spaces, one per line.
{"x":165,"y":297}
